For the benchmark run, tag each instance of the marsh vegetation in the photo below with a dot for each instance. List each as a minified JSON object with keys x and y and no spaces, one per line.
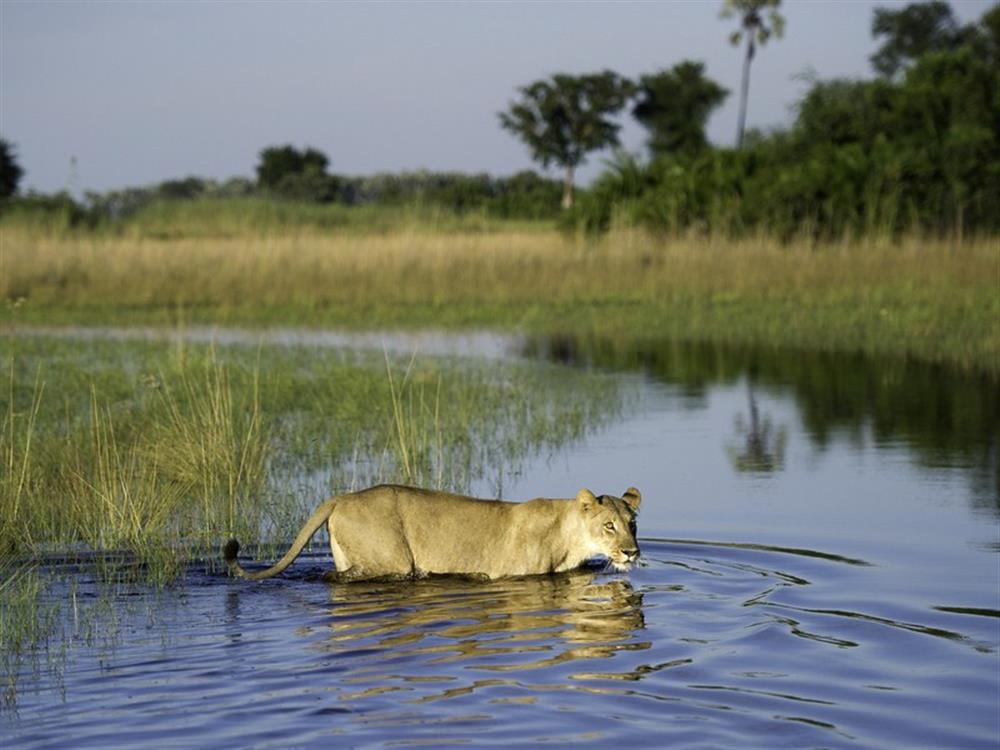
{"x":153,"y":448}
{"x":870,"y":537}
{"x":930,"y":299}
{"x":141,"y":458}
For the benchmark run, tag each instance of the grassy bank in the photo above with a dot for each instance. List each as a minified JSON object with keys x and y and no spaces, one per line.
{"x":934,"y":300}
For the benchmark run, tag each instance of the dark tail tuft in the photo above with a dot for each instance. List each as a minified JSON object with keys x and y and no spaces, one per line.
{"x":230,"y":551}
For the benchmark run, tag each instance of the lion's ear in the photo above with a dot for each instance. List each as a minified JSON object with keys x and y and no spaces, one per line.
{"x":632,"y":498}
{"x":586,"y":499}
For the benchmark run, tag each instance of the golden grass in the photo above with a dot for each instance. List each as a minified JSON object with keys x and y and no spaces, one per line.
{"x":758,"y":290}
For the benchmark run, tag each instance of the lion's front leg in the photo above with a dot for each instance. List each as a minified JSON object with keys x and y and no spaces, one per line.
{"x":343,"y":576}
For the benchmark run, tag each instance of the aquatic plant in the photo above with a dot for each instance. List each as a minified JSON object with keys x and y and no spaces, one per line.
{"x":25,"y":621}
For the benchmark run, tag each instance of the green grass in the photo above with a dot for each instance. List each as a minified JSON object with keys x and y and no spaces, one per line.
{"x":213,"y":218}
{"x":160,"y":452}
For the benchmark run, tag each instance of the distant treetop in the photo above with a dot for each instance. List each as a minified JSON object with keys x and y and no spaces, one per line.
{"x":911,"y":32}
{"x":10,"y":171}
{"x":278,"y":161}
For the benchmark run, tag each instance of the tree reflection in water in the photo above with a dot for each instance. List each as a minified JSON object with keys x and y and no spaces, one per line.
{"x":762,"y":449}
{"x":942,"y":416}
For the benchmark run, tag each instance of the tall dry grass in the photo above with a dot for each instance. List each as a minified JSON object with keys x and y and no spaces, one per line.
{"x":316,"y":269}
{"x":911,"y":297}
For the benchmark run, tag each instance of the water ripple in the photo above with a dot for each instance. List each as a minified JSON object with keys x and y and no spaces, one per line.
{"x":705,"y":646}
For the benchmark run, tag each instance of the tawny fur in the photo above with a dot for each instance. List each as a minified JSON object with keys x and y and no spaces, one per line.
{"x":390,"y":531}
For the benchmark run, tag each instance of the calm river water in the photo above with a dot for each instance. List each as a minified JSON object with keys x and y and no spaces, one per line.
{"x":820,"y":540}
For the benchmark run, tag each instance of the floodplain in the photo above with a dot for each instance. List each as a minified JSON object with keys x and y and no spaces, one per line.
{"x":814,"y":429}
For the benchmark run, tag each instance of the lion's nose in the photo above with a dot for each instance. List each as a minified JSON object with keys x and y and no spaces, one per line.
{"x":631,"y":554}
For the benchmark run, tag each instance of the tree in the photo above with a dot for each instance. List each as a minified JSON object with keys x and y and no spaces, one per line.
{"x":673,"y":105}
{"x":297,"y":175}
{"x":990,"y":24}
{"x":564,"y":118}
{"x":187,"y":188}
{"x":843,"y":111}
{"x":756,"y":30}
{"x":276,"y":162}
{"x":10,"y":170}
{"x":912,"y":32}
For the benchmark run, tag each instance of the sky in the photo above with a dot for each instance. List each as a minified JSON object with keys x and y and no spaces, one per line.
{"x":135,"y":93}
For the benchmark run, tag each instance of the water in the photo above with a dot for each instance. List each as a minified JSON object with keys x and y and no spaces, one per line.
{"x":481,"y":344}
{"x":820,"y":568}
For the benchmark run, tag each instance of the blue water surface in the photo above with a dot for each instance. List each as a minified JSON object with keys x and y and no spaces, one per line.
{"x":820,"y":568}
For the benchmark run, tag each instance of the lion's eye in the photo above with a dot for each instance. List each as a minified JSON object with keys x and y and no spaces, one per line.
{"x":609,"y":526}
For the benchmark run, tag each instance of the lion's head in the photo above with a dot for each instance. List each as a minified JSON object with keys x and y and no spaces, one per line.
{"x":610,"y":523}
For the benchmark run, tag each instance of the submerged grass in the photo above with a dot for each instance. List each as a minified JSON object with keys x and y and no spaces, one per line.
{"x":935,"y":300}
{"x":25,"y":620}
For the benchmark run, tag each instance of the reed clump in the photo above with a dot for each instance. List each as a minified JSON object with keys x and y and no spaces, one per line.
{"x":154,"y":478}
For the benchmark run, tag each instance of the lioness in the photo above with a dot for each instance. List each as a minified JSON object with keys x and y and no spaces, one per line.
{"x":390,"y":531}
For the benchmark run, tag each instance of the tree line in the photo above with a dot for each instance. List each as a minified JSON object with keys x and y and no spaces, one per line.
{"x":914,"y":147}
{"x":287,"y":173}
{"x":564,"y":118}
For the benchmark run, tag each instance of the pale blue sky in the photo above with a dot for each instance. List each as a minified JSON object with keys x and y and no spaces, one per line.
{"x":140,"y":92}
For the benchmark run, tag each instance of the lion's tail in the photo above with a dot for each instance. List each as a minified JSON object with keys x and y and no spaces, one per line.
{"x":317,"y":519}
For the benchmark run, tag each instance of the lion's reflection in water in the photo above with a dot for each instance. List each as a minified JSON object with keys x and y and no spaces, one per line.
{"x":433,"y":629}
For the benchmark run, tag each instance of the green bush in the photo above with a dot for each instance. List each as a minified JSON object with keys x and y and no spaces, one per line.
{"x":57,"y":211}
{"x":862,"y":158}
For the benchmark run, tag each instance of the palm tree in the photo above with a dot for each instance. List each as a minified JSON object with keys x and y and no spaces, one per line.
{"x":757,"y":30}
